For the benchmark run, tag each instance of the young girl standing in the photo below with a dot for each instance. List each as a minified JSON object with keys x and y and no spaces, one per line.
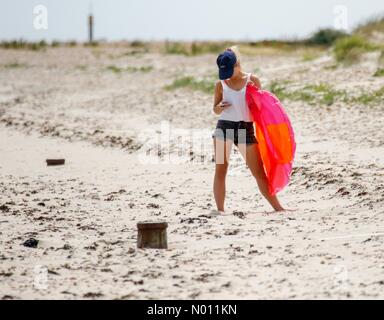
{"x":235,"y":126}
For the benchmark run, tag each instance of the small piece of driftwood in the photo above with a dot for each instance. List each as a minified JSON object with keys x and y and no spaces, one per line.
{"x":152,"y":235}
{"x":55,"y":162}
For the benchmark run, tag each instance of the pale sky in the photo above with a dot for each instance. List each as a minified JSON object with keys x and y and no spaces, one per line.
{"x":180,"y":19}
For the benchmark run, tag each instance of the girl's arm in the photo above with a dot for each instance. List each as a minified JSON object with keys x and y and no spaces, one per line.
{"x":217,"y":109}
{"x":256,"y":81}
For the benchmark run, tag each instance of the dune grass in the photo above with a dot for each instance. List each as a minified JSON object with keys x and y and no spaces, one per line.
{"x":42,"y":45}
{"x":310,"y":56}
{"x":324,"y":94}
{"x":23,"y":45}
{"x":14,"y":65}
{"x":379,"y":73}
{"x":82,"y":67}
{"x":312,"y":94}
{"x":206,"y":85}
{"x":131,"y":69}
{"x":349,"y":49}
{"x":247,"y":48}
{"x":176,"y":48}
{"x":372,"y":25}
{"x":370,"y":98}
{"x":195,"y":48}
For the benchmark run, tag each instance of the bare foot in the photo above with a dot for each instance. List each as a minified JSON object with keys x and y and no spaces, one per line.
{"x":216,"y":213}
{"x":289,"y":209}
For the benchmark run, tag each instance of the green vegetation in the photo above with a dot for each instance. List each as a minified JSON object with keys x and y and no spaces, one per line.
{"x":14,"y":65}
{"x":82,"y":67}
{"x":325,"y":37}
{"x":114,"y":69}
{"x":309,"y":56}
{"x":375,"y":97}
{"x":195,"y":48}
{"x":324,"y":94}
{"x":371,"y":26}
{"x":208,"y":47}
{"x":206,"y":85}
{"x":176,"y":48}
{"x":138,"y":44}
{"x":55,"y":44}
{"x":134,"y":52}
{"x":23,"y":45}
{"x":379,"y":73}
{"x":131,"y":69}
{"x":350,"y":49}
{"x":131,"y":53}
{"x":381,"y":59}
{"x":330,"y":67}
{"x":313,"y":94}
{"x":91,"y":44}
{"x":278,"y":44}
{"x":72,"y":43}
{"x":139,"y":69}
{"x":35,"y":46}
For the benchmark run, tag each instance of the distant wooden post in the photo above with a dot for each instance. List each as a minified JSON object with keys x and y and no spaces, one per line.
{"x":90,"y":27}
{"x":152,"y":235}
{"x":55,"y":162}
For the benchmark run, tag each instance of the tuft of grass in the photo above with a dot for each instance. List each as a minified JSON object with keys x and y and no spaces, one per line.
{"x":381,"y":59}
{"x":350,"y":49}
{"x":138,"y":44}
{"x":208,"y":47}
{"x":176,"y":48}
{"x":326,"y":94}
{"x":71,"y":43}
{"x":14,"y":65}
{"x":379,"y":73}
{"x":116,"y":69}
{"x":309,"y":56}
{"x":278,"y":89}
{"x":205,"y":85}
{"x":330,"y":67}
{"x":23,"y":45}
{"x":143,"y":69}
{"x":55,"y":44}
{"x":134,"y":53}
{"x":82,"y":67}
{"x":91,"y":44}
{"x":370,"y":98}
{"x":312,"y":94}
{"x":195,"y":48}
{"x":371,"y":26}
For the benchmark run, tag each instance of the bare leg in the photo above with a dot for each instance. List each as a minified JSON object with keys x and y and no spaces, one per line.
{"x":222,"y":154}
{"x":252,"y":157}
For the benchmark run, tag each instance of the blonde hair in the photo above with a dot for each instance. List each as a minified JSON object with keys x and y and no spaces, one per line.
{"x":236,"y":51}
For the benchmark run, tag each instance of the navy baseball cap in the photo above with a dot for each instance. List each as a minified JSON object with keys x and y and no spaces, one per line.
{"x":226,"y":62}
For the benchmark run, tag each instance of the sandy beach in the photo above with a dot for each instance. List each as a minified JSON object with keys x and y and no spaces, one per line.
{"x":99,"y":107}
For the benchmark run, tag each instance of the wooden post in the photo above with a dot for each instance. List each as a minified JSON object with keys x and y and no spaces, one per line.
{"x":90,"y":28}
{"x":55,"y":162}
{"x":152,"y":235}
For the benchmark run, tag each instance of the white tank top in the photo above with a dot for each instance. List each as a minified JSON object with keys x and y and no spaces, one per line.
{"x":238,"y":111}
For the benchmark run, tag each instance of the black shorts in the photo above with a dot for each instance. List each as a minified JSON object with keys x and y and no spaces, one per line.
{"x":237,"y":131}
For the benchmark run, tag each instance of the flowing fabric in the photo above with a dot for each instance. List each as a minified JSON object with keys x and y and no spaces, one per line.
{"x":275,"y":136}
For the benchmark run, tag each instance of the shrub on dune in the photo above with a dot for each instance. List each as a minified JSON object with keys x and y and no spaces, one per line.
{"x":326,"y":36}
{"x":349,"y":49}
